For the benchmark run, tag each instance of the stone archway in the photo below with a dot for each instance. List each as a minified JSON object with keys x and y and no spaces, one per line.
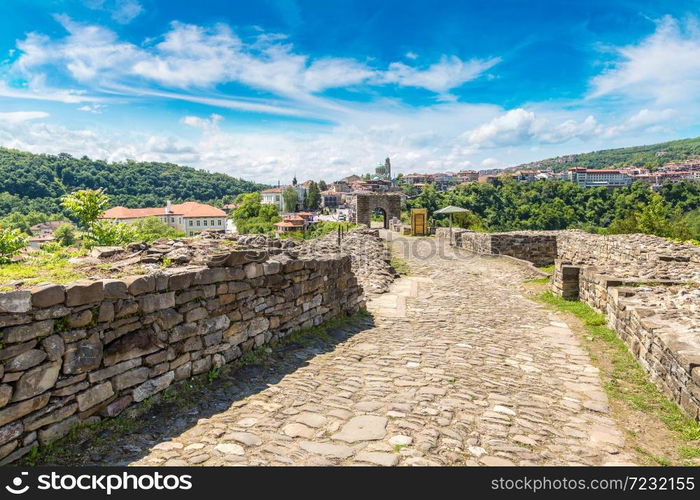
{"x":363,"y":205}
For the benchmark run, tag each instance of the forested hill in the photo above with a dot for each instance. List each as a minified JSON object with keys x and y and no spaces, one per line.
{"x":35,"y":182}
{"x":652,"y":156}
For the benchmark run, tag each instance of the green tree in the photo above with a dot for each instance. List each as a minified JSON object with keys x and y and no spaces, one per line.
{"x":86,"y":205}
{"x":11,"y":242}
{"x":252,"y":216}
{"x":291,"y":198}
{"x":322,"y":186}
{"x":313,"y":198}
{"x":65,"y":235}
{"x":152,"y":228}
{"x":104,"y":232}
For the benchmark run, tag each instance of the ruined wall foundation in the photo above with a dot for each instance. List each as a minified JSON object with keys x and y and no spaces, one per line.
{"x":78,"y":353}
{"x":648,"y":287}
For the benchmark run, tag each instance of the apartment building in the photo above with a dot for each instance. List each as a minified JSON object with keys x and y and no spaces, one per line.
{"x":598,"y":178}
{"x":189,"y":217}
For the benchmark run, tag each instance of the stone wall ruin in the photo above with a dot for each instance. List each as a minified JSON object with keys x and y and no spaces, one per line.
{"x":648,"y":287}
{"x":78,"y":353}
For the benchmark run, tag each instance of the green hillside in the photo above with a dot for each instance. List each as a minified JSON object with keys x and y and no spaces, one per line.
{"x":35,"y":182}
{"x":651,"y":156}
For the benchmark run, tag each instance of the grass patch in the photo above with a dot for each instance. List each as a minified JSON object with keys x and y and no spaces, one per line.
{"x":625,"y":381}
{"x":400,"y":265}
{"x":541,"y":281}
{"x":39,"y":267}
{"x":547,"y":269}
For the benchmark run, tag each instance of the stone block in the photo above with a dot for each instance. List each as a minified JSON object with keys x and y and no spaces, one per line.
{"x":114,"y":408}
{"x":10,"y":431}
{"x":79,"y":319}
{"x":54,"y":347}
{"x":83,"y":356}
{"x":84,"y":292}
{"x":115,"y":289}
{"x":94,"y":395}
{"x":153,"y":386}
{"x":35,"y":381}
{"x":30,"y":331}
{"x":18,"y":410}
{"x":56,"y":431}
{"x":130,"y":378}
{"x":131,"y":345}
{"x":47,"y":295}
{"x":157,"y":302}
{"x":13,"y":350}
{"x":113,"y":370}
{"x":25,"y":360}
{"x":138,"y":285}
{"x":19,"y":301}
{"x":5,"y":394}
{"x":44,"y":417}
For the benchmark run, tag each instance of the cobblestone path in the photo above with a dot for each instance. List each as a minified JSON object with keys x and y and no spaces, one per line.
{"x":457,"y":368}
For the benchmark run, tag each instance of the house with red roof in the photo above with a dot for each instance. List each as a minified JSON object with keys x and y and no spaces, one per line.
{"x":189,"y":217}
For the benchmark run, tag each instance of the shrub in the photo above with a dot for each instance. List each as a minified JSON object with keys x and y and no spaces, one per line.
{"x":11,"y":242}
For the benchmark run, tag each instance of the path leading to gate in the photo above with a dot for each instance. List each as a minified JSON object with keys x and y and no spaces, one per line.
{"x":457,"y":367}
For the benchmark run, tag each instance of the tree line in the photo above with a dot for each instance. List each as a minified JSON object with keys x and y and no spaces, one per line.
{"x":673,"y":211}
{"x":34,"y":183}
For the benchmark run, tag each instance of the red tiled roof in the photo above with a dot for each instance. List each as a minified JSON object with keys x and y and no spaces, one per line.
{"x":187,"y":209}
{"x":273,"y":190}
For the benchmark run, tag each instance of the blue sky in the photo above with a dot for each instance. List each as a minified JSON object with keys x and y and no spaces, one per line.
{"x":268,"y":89}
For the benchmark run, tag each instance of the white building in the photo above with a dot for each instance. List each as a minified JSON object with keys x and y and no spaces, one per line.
{"x":275,"y":196}
{"x":599,"y":178}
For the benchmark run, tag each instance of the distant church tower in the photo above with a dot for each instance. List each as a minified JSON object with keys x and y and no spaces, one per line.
{"x":294,"y":181}
{"x":383,"y":172}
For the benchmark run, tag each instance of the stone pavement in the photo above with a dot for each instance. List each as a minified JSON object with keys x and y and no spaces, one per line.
{"x":456,"y":368}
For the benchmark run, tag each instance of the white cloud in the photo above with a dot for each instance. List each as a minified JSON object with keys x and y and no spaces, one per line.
{"x":644,"y":119}
{"x":490,"y":163}
{"x":126,"y":11}
{"x":448,"y":73}
{"x":191,"y":56}
{"x":520,"y":126}
{"x":664,"y":67}
{"x":122,"y":11}
{"x":203,"y":123}
{"x":22,"y":116}
{"x":513,"y":127}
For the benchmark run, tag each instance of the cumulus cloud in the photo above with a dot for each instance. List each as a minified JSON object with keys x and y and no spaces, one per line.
{"x":513,"y":127}
{"x":520,"y":126}
{"x":663,"y":67}
{"x":644,"y":119}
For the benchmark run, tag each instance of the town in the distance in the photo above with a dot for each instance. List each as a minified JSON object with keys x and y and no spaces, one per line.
{"x":301,"y":204}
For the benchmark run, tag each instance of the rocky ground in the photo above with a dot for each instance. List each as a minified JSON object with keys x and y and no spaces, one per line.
{"x":454,"y":367}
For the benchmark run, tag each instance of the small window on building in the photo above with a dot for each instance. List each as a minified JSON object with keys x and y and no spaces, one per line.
{"x":219,"y":221}
{"x":198,"y":222}
{"x":172,"y":219}
{"x":205,"y":222}
{"x":191,"y":222}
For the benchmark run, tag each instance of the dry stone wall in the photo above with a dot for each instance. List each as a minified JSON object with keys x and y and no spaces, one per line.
{"x":649,"y":289}
{"x":85,"y":351}
{"x":539,"y":247}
